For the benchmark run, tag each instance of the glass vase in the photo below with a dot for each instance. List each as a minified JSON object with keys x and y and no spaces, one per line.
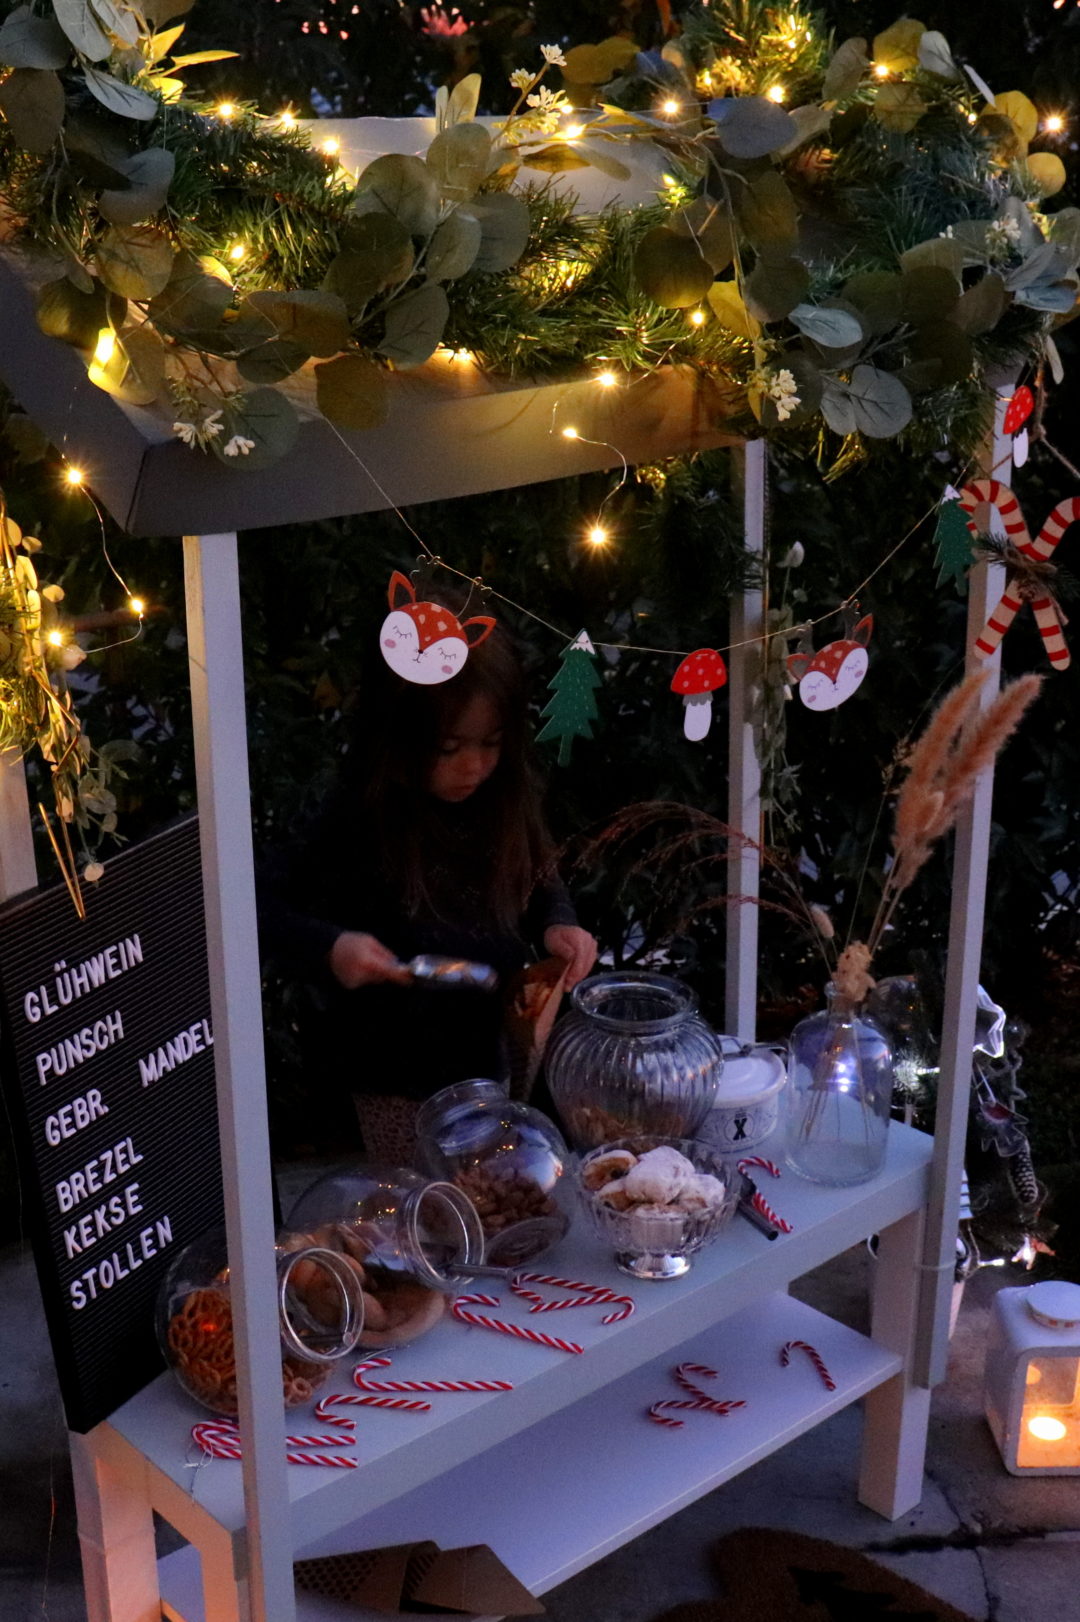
{"x":839,"y":1095}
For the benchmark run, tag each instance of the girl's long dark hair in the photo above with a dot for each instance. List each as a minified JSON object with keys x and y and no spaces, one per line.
{"x":399,"y":728}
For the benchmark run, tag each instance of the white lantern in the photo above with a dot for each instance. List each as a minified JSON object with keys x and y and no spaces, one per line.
{"x":1032,"y":1384}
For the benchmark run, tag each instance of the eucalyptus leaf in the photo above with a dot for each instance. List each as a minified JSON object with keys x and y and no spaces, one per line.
{"x":377,"y":253}
{"x":928,"y":292}
{"x":195,"y":297}
{"x":982,"y":306}
{"x":775,"y":287}
{"x":1065,"y":234}
{"x":32,"y":101}
{"x":712,"y":228}
{"x":78,"y":275}
{"x":752,"y":126}
{"x":415,"y":323}
{"x":897,"y":47}
{"x":1047,"y":172}
{"x":844,"y":73}
{"x":453,"y":249}
{"x":402,"y":186}
{"x":126,"y":99}
{"x":876,"y":294}
{"x":768,"y":215}
{"x":135,"y":372}
{"x":28,"y":41}
{"x":670,"y":269}
{"x":874,"y":403}
{"x":317,"y":321}
{"x":81,"y":28}
{"x":75,"y":317}
{"x":272,"y":362}
{"x":117,"y":20}
{"x":164,"y":11}
{"x":596,"y":64}
{"x":598,"y":153}
{"x":810,"y":120}
{"x":134,"y":260}
{"x":1057,"y":297}
{"x":726,"y":303}
{"x":505,"y":227}
{"x":935,"y":55}
{"x":554,"y":159}
{"x":943,"y":251}
{"x":351,"y":392}
{"x":830,"y":326}
{"x":898,"y":107}
{"x":462,"y":101}
{"x":150,"y":175}
{"x":267,"y":417}
{"x":1043,"y":263}
{"x":459,"y":159}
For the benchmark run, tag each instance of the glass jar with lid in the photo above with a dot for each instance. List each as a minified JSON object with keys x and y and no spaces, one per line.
{"x":632,"y":1057}
{"x":320,"y":1314}
{"x":508,"y":1157}
{"x":413,"y":1242}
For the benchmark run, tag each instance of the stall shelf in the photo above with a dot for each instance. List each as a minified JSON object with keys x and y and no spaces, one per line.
{"x":730,"y":1309}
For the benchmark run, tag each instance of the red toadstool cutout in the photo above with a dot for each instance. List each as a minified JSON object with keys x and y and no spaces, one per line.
{"x":697,"y":679}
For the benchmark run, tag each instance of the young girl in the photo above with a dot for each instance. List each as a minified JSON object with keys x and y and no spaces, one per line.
{"x":435,"y":842}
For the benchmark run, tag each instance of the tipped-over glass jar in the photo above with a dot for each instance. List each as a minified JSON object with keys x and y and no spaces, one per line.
{"x":411,"y":1241}
{"x":320,"y":1312}
{"x":633,"y":1056}
{"x":507,"y":1157}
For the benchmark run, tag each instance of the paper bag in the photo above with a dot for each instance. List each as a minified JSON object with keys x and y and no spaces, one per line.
{"x":419,"y":1579}
{"x":534,"y":999}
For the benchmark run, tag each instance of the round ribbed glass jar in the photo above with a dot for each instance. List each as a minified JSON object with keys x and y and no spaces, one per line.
{"x":320,"y":1312}
{"x":840,"y":1085}
{"x":633,"y":1056}
{"x":507,"y":1157}
{"x":412,"y":1240}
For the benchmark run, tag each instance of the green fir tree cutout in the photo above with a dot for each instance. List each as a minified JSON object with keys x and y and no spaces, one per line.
{"x":952,"y":539}
{"x":572,"y":709}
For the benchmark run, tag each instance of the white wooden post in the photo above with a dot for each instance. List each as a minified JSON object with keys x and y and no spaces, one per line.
{"x":215,"y":654}
{"x":970,"y":861}
{"x":895,"y":1414}
{"x":18,"y":871}
{"x":746,"y":667}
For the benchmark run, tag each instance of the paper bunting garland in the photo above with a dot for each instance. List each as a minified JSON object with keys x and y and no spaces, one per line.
{"x":829,"y":677}
{"x":952,"y":542}
{"x":1030,"y":573}
{"x":699,"y":676}
{"x":424,"y":642}
{"x":571,"y":710}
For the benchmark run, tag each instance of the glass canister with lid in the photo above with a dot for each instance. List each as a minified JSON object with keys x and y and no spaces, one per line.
{"x":508,"y":1157}
{"x":411,"y":1240}
{"x":320,"y":1309}
{"x":632,"y":1057}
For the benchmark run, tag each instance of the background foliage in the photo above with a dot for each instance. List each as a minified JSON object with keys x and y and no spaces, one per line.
{"x":314,"y":595}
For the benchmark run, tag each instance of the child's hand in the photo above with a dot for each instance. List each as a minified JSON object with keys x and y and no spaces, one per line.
{"x":361,"y":960}
{"x":575,"y":946}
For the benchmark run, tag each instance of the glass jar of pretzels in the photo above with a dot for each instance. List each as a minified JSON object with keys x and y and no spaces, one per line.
{"x":507,"y":1157}
{"x":320,"y":1311}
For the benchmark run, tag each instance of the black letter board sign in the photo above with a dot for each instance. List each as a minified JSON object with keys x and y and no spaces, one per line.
{"x":108,"y":1066}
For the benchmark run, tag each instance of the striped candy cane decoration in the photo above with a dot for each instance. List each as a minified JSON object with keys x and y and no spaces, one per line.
{"x":813,"y":1354}
{"x":588,"y":1295}
{"x":1039,"y":550}
{"x":757,"y":1198}
{"x":478,"y":1320}
{"x":324,"y":1410}
{"x":218,"y":1442}
{"x":360,"y":1379}
{"x":699,"y":1400}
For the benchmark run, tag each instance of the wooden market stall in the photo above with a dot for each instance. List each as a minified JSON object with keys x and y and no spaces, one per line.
{"x":532,"y":1473}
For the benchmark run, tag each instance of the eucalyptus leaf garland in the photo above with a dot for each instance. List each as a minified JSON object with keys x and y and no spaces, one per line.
{"x":859,"y":262}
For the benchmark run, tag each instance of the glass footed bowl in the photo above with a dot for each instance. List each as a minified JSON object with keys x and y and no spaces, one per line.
{"x":656,"y":1238}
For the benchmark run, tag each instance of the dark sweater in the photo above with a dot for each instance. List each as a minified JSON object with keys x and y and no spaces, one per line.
{"x":409,"y":1040}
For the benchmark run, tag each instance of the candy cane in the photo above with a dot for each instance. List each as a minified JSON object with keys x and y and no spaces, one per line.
{"x":591,"y":1295}
{"x":813,"y":1354}
{"x":325,"y":1409}
{"x":218,"y":1443}
{"x":757,"y":1198}
{"x":361,"y":1380}
{"x":227,"y":1430}
{"x":460,"y":1311}
{"x":699,"y":1401}
{"x":1039,"y":550}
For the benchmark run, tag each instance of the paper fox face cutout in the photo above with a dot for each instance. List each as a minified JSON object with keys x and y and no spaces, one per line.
{"x":827,"y":678}
{"x":424,"y":642}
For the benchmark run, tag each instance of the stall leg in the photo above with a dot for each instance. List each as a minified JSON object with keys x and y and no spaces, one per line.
{"x":116,"y":1533}
{"x":896,"y":1414}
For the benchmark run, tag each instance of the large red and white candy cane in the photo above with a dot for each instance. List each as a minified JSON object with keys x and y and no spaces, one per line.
{"x":461,"y":1310}
{"x":999,"y":496}
{"x":589,"y":1295}
{"x":364,"y":1383}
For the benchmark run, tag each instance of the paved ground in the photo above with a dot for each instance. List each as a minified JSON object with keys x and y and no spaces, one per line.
{"x":1001,"y":1549}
